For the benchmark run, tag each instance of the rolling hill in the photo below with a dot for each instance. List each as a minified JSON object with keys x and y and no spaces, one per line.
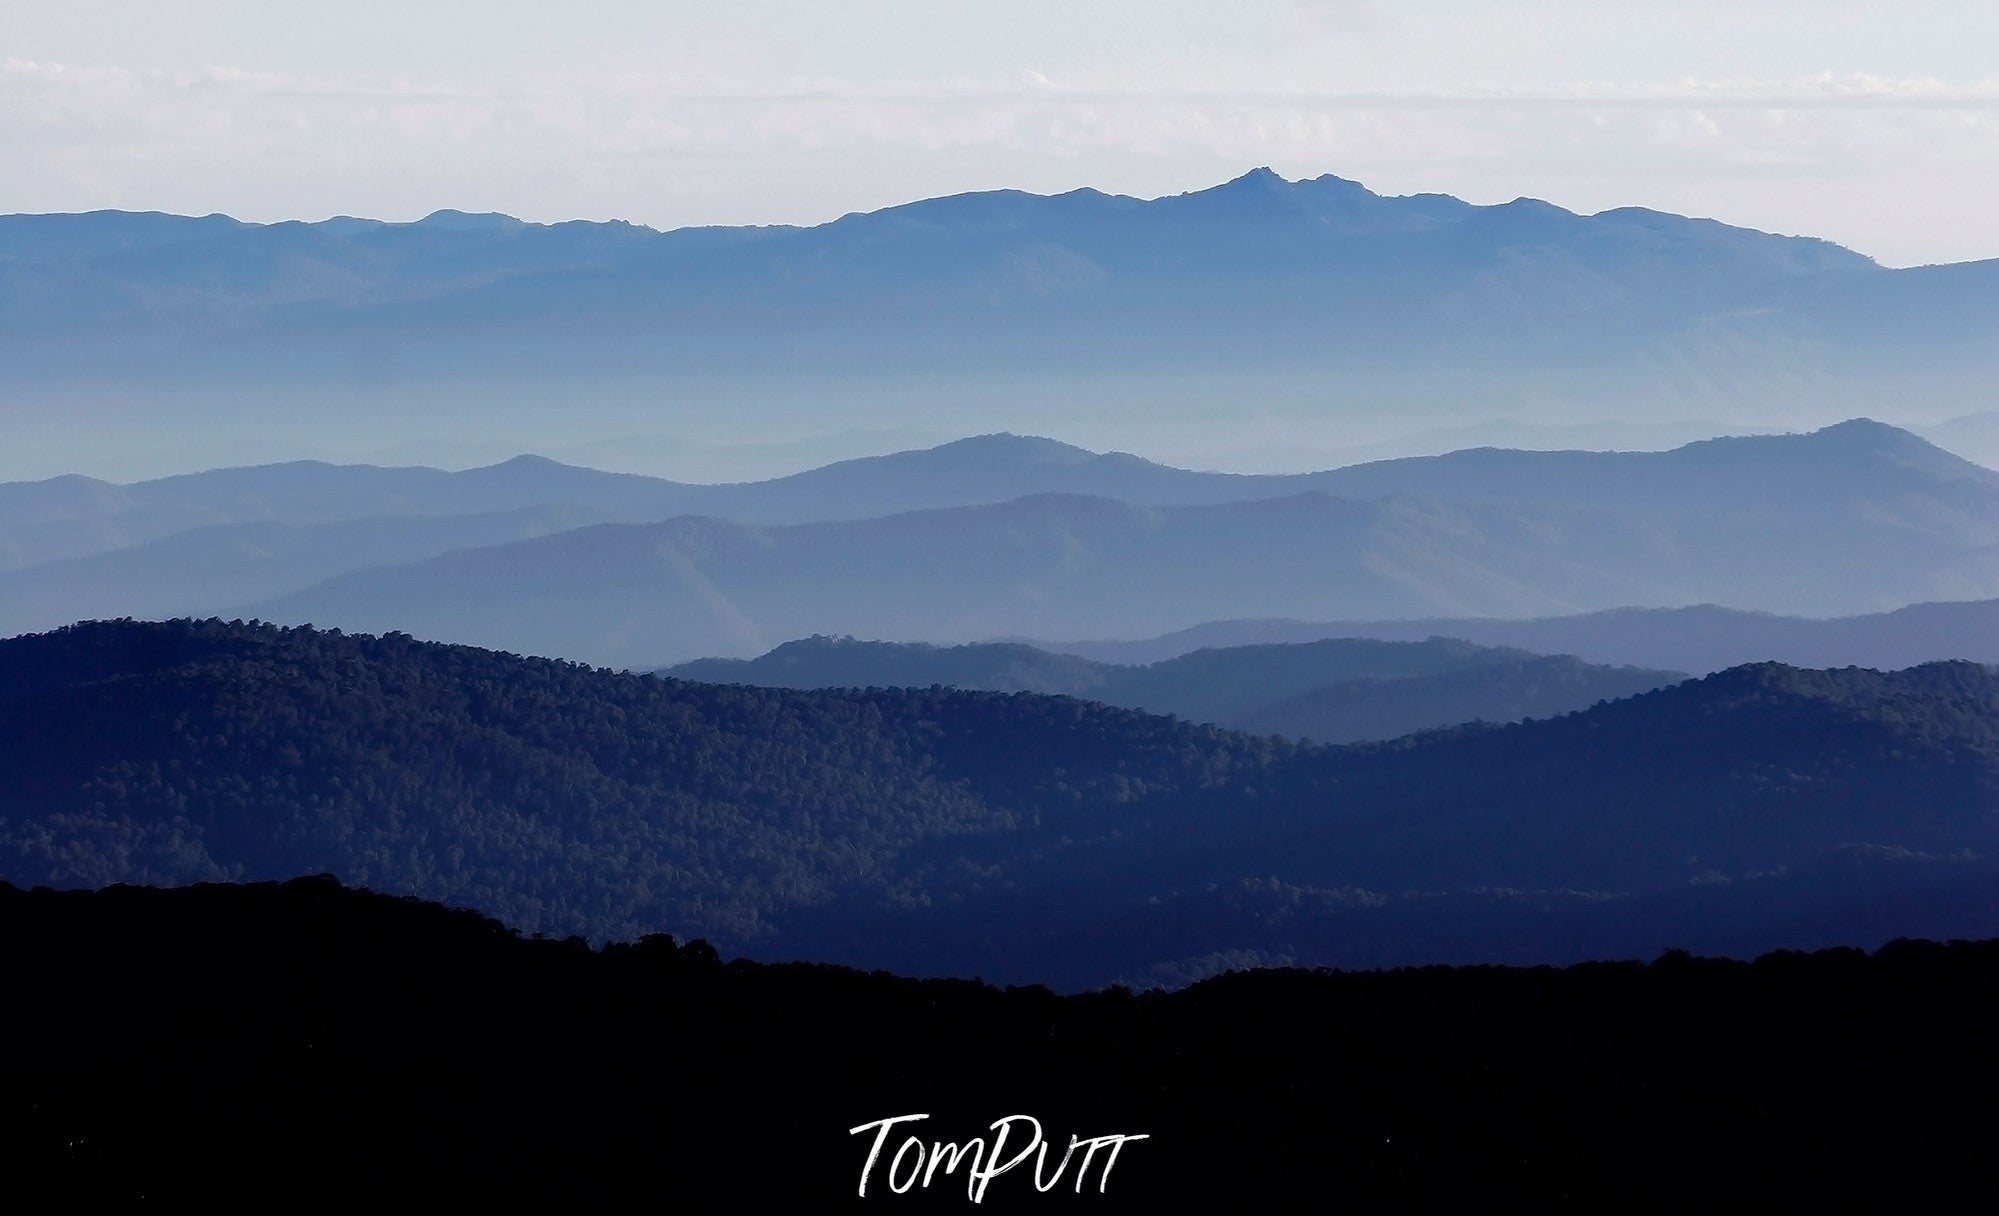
{"x":1014,"y":836}
{"x":1330,"y":691}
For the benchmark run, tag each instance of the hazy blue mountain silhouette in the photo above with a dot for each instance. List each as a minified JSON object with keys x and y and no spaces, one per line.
{"x":195,"y":572}
{"x":1330,"y":691}
{"x":1317,"y":295}
{"x":1787,"y":473}
{"x":74,"y":516}
{"x":1700,"y":638}
{"x":1851,"y":518}
{"x":986,"y":250}
{"x":637,"y":594}
{"x":1974,"y":436}
{"x":71,"y":517}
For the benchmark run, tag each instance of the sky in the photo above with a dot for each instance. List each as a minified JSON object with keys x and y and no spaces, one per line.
{"x":1873,"y":124}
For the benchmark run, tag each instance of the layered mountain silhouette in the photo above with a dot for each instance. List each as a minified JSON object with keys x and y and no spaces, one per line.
{"x":1848,"y":519}
{"x":1316,"y":299}
{"x":1005,"y":536}
{"x":1384,"y":716}
{"x":74,"y":516}
{"x":1259,"y":239}
{"x":1703,"y":638}
{"x":1331,"y":691}
{"x":1014,"y":836}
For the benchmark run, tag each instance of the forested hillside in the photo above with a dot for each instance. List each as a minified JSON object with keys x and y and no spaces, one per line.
{"x":1016,"y":836}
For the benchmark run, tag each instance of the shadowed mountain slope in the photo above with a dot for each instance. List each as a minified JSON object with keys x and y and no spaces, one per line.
{"x":1012,"y":836}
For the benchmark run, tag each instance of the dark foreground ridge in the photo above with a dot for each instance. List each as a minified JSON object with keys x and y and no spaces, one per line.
{"x":303,"y":1045}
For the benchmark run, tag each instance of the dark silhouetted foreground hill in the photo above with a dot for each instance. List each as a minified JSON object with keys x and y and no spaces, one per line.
{"x":311,"y":1047}
{"x":1338,"y":690}
{"x":1019,"y":837}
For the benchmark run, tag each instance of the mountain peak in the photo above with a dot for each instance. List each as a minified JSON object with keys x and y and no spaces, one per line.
{"x":1006,"y":443}
{"x":1333,"y":183}
{"x":1864,"y":428}
{"x":450,"y":220}
{"x":524,"y":467}
{"x":529,"y":460}
{"x":1867,"y":435}
{"x":1531,"y":209}
{"x":1263,"y":177}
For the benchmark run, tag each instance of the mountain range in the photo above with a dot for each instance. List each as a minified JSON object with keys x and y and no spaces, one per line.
{"x":1702,"y":639}
{"x":1317,"y":306}
{"x":466,"y":780}
{"x":1004,"y":536}
{"x":1853,"y":518}
{"x":1020,"y":837}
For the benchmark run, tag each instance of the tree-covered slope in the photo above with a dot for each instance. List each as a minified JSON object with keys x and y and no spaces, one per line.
{"x":564,"y":798}
{"x":1016,"y":836}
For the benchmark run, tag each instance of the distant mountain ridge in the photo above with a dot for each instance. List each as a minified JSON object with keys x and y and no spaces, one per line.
{"x":1317,"y":300}
{"x":1703,"y":638}
{"x":1331,"y":691}
{"x":1016,"y":243}
{"x":1852,"y":517}
{"x":75,"y":516}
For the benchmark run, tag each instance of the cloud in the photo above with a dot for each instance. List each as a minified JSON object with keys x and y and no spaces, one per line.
{"x":1349,"y":17}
